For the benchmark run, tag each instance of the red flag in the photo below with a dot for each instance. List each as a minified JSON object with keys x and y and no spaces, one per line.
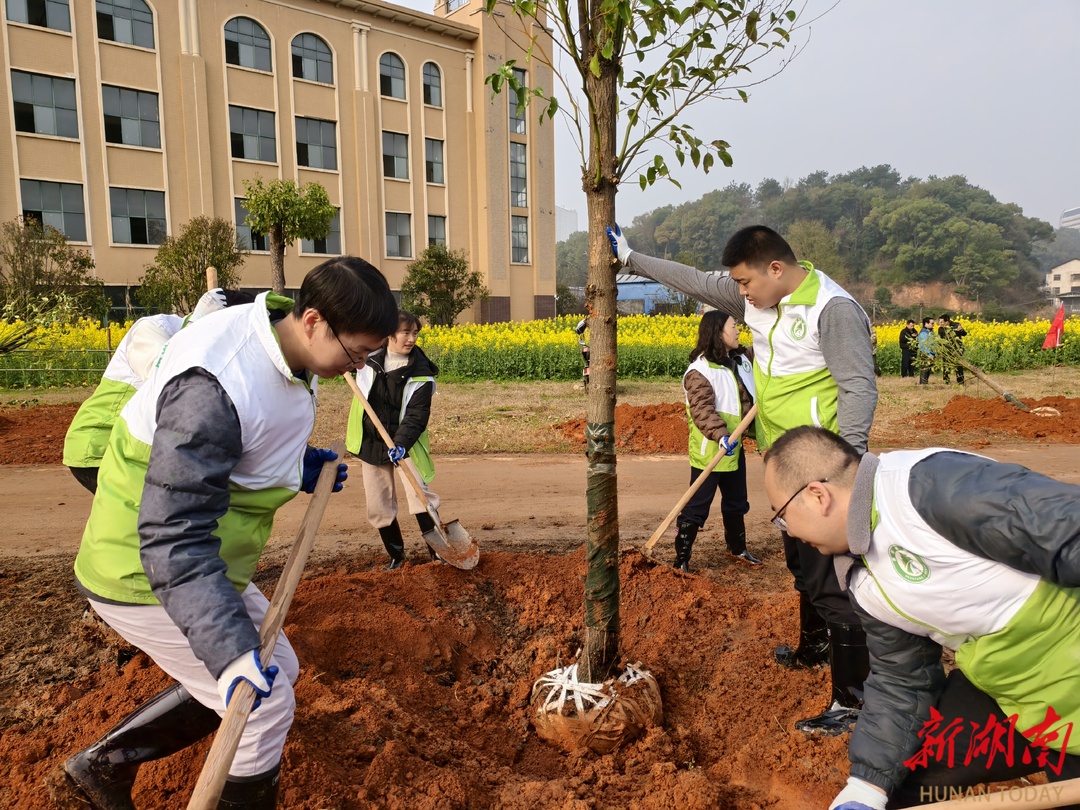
{"x":1057,"y":329}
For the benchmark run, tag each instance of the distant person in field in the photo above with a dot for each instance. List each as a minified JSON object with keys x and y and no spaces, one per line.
{"x":951,"y":342}
{"x":813,"y":365}
{"x":719,"y":388}
{"x":199,"y":461}
{"x":940,"y":549}
{"x":927,"y":344}
{"x":909,"y":345}
{"x":399,"y":383}
{"x":131,"y":364}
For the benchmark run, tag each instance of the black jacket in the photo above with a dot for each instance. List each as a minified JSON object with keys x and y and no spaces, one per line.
{"x":385,"y":398}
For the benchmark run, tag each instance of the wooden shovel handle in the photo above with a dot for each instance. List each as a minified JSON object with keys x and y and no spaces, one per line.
{"x":409,"y":475}
{"x":694,"y":487}
{"x":212,"y":779}
{"x":1029,"y":797}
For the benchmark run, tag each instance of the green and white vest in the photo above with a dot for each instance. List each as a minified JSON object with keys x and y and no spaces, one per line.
{"x":727,"y":404}
{"x":794,"y":386}
{"x":276,"y":412}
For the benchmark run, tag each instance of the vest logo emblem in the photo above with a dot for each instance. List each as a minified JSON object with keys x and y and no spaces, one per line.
{"x":908,"y":565}
{"x":798,"y":328}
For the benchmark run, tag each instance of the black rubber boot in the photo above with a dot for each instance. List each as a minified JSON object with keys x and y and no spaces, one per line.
{"x":102,"y":775}
{"x":257,"y":792}
{"x":735,"y":537}
{"x":684,"y":544}
{"x":813,"y":649}
{"x":426,"y":524}
{"x":394,"y":545}
{"x":850,"y":663}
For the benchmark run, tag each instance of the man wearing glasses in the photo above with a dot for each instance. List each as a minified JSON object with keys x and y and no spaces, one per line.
{"x":813,"y":365}
{"x":943,"y":549}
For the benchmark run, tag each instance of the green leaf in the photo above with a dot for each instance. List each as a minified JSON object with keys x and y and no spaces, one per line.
{"x":609,"y":48}
{"x":751,"y":25}
{"x":594,"y":65}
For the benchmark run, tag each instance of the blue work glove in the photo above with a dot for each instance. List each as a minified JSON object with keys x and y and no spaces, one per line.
{"x":859,"y":795}
{"x":619,"y":248}
{"x":396,"y":454}
{"x":729,"y":445}
{"x":247,"y":667}
{"x":313,"y":462}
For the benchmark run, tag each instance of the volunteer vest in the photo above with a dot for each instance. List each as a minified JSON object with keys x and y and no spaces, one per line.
{"x":420,"y":452}
{"x":793,"y":384}
{"x":276,"y":411}
{"x":88,"y":435}
{"x":726,"y":403}
{"x":1016,"y":637}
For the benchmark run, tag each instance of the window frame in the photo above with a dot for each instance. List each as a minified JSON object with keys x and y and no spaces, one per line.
{"x":399,"y":159}
{"x":245,"y":231}
{"x":46,"y":7}
{"x":257,"y":48}
{"x":318,"y":58}
{"x":515,"y":236}
{"x":322,"y":147}
{"x":43,"y":212}
{"x":387,"y":81}
{"x":21,"y":108}
{"x":515,"y":123}
{"x":432,"y":220}
{"x":147,"y":220}
{"x":258,"y":135}
{"x":432,"y":85}
{"x":310,"y":246}
{"x":139,"y":94}
{"x":519,"y":175}
{"x":431,"y":164}
{"x":398,"y":235}
{"x":134,"y":25}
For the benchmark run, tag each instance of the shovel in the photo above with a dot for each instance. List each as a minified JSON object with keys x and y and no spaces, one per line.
{"x":694,"y":487}
{"x":450,"y":541}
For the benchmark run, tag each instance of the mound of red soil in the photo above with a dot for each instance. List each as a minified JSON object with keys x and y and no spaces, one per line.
{"x":640,"y":429}
{"x":968,"y":414}
{"x":414,"y":691}
{"x":34,"y":434}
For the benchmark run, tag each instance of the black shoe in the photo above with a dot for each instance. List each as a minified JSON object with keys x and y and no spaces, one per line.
{"x":749,"y":558}
{"x":394,"y":545}
{"x":393,"y":565}
{"x":684,"y":544}
{"x":832,"y":722}
{"x":813,"y":649}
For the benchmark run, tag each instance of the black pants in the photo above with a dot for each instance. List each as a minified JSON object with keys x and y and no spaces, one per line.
{"x":733,"y":499}
{"x":907,"y":363}
{"x":959,"y":374}
{"x":87,"y":476}
{"x":815,"y":576}
{"x":961,"y":700}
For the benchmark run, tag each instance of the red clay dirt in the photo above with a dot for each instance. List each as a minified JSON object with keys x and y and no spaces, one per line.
{"x":414,"y":684}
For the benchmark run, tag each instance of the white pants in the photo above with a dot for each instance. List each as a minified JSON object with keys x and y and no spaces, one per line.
{"x":381,"y":495}
{"x":149,"y":628}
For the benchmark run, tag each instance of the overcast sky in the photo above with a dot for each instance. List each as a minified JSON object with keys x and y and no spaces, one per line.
{"x":987,"y":89}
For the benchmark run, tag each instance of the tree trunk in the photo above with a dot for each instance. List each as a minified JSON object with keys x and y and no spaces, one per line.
{"x":602,"y":541}
{"x":277,"y":260}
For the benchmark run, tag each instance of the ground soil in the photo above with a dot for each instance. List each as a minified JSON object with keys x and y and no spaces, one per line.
{"x":415,"y":683}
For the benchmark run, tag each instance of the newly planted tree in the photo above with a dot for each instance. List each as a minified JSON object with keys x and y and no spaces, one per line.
{"x":286,"y":212}
{"x":627,"y":120}
{"x":440,"y":286}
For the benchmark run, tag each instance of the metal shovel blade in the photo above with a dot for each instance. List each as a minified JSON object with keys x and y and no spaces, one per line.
{"x":454,"y":545}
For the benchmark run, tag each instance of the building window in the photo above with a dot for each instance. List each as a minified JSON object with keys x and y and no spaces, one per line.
{"x":395,"y":155}
{"x":55,"y":205}
{"x":311,"y":59}
{"x":436,"y":230}
{"x":252,"y":133}
{"x":519,"y":161}
{"x":131,"y":116}
{"x":331,"y":245}
{"x":45,"y":13}
{"x":252,"y":240}
{"x":399,"y":235}
{"x":433,"y":160}
{"x":44,"y":105}
{"x":247,"y":44}
{"x":517,"y":117}
{"x":316,"y":144}
{"x":432,"y":85}
{"x":138,"y":217}
{"x":127,"y":21}
{"x":519,"y":239}
{"x":391,"y":76}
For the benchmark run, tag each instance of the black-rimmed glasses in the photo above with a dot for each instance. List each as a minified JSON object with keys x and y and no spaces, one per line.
{"x":352,"y":361}
{"x":778,"y":519}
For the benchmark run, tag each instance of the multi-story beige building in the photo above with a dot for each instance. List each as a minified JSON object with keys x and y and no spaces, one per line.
{"x":127,"y":118}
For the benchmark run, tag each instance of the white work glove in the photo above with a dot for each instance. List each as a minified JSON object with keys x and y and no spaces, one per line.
{"x":247,"y":667}
{"x":211,"y":301}
{"x":859,"y":795}
{"x":619,"y":248}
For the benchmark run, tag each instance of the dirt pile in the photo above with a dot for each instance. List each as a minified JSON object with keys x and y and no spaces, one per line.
{"x":34,"y":434}
{"x":640,"y":429}
{"x":415,"y":684}
{"x":966,"y":415}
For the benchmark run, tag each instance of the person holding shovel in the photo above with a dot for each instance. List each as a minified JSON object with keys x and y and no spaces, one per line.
{"x":940,"y":549}
{"x":131,"y":364}
{"x":813,"y":365}
{"x":719,"y":387}
{"x":200,"y":459}
{"x":398,"y":381}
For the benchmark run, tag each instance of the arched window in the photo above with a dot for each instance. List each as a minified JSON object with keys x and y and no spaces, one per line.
{"x":391,"y":76}
{"x":311,"y":59}
{"x":127,"y":21}
{"x":432,"y":85}
{"x":247,"y":44}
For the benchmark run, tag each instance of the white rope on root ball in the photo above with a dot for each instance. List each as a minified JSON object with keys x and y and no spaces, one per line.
{"x":598,"y":716}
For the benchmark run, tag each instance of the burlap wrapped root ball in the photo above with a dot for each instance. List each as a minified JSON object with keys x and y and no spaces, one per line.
{"x":599,"y":716}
